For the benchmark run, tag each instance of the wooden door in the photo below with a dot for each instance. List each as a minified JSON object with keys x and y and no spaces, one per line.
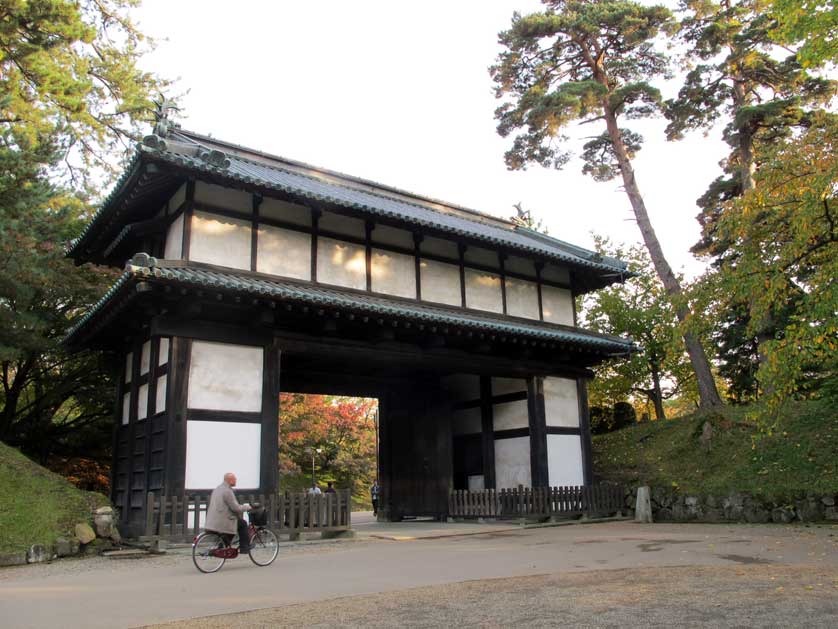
{"x":417,"y":464}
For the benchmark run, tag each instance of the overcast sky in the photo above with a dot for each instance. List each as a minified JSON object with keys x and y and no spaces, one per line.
{"x":400,"y":93}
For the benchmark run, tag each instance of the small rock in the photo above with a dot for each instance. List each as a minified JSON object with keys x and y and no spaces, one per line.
{"x":103,"y":523}
{"x":829,"y":501}
{"x":37,"y":553}
{"x":66,"y":547}
{"x":84,"y":533}
{"x":782,"y":515}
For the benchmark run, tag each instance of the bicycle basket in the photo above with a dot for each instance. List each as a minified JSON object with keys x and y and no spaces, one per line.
{"x":258,"y":517}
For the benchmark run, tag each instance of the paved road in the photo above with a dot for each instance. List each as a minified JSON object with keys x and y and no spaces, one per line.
{"x":111,"y":593}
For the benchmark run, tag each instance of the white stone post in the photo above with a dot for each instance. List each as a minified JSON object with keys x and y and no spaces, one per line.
{"x":643,"y":507}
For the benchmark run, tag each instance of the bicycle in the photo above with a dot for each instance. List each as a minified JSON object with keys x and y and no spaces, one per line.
{"x":210,"y":549}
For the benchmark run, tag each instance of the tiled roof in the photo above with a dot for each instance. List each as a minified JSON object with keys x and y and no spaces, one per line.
{"x":237,"y":164}
{"x":361,"y":303}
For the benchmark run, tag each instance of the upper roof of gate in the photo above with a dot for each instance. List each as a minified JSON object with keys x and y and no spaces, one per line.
{"x":162,"y":163}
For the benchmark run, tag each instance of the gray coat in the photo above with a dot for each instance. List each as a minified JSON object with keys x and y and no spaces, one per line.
{"x":223,"y":511}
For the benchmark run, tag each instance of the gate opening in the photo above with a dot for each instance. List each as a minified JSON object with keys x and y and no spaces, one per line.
{"x":327,"y":439}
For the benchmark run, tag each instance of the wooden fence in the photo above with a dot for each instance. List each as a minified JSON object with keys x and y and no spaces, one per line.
{"x":181,"y":517}
{"x":536,"y":502}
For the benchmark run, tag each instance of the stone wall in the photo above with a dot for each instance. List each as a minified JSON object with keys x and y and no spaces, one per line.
{"x":671,"y":506}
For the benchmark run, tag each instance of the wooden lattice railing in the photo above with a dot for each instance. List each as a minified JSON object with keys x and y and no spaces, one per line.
{"x":181,"y":517}
{"x":536,"y":502}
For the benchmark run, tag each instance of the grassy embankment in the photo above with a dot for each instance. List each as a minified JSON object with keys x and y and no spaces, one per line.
{"x":36,"y":505}
{"x":800,"y":454}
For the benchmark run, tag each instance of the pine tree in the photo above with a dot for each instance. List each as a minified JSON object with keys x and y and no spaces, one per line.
{"x":592,"y":61}
{"x":738,"y":76}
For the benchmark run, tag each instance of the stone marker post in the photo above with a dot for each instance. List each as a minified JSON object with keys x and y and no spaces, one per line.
{"x":643,"y":508}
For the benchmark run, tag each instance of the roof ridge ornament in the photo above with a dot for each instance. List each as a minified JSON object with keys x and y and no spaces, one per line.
{"x":161,"y":116}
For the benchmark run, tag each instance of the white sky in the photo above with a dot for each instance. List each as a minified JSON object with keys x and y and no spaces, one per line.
{"x":400,"y":93}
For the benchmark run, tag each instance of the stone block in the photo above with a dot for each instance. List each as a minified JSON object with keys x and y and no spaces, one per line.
{"x":84,"y":533}
{"x":828,"y":501}
{"x":66,"y":547}
{"x":12,"y":559}
{"x":831,"y":514}
{"x":38,"y":553}
{"x":337,"y":534}
{"x":809,"y":510}
{"x":782,"y":515}
{"x":103,"y":523}
{"x":643,"y":510}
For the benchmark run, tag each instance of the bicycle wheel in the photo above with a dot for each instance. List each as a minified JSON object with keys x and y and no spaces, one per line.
{"x":264,"y":547}
{"x":201,"y":552}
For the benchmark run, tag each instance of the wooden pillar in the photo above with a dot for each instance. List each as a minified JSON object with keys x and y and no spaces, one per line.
{"x":538,"y":432}
{"x":175,"y":472}
{"x":269,"y":451}
{"x":585,"y":431}
{"x":488,"y":432}
{"x":385,"y":477}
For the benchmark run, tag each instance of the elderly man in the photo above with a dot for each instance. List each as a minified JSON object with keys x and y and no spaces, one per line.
{"x":224,"y":514}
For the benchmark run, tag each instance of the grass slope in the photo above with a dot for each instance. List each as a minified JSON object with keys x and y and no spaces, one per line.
{"x":36,"y":505}
{"x":799,"y":455}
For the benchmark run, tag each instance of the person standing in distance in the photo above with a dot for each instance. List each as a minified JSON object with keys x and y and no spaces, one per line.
{"x":224,"y":514}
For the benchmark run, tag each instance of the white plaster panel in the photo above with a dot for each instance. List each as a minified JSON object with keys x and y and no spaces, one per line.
{"x":511,"y":415}
{"x":467,"y":422}
{"x":126,"y":408}
{"x":284,"y":211}
{"x":225,"y":377}
{"x":564,"y":460}
{"x":161,"y":394}
{"x":177,"y":199}
{"x":557,"y":304}
{"x":215,"y":448}
{"x":512,"y":463}
{"x":440,"y":282}
{"x":129,"y":366}
{"x":387,"y":235}
{"x":522,"y":298}
{"x":341,"y":263}
{"x":163,"y":353}
{"x":225,"y":198}
{"x":476,"y":482}
{"x":344,"y":225}
{"x":462,"y":386}
{"x":174,"y":240}
{"x":220,"y":240}
{"x":393,"y":273}
{"x":483,"y":291}
{"x":561,"y":403}
{"x":440,"y":247}
{"x":483,"y":257}
{"x":142,"y":401}
{"x":521,"y":266}
{"x":554,"y":273}
{"x":145,"y":358}
{"x":283,"y":252}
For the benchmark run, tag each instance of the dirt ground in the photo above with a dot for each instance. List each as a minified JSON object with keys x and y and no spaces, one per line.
{"x":748,"y":595}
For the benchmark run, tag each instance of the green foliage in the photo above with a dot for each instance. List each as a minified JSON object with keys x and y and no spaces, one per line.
{"x":50,"y":402}
{"x":811,"y":23}
{"x":785,"y":235}
{"x":69,"y":71}
{"x":641,"y":310}
{"x":38,"y":506}
{"x":570,"y":63}
{"x":796,"y":458}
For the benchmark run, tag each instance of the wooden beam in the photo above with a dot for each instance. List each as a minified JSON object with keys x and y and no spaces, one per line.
{"x":585,"y":431}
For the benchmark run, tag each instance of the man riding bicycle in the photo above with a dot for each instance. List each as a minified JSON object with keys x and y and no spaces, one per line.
{"x":224,"y":514}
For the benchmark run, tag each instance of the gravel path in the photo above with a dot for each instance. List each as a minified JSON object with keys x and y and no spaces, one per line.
{"x":748,"y":595}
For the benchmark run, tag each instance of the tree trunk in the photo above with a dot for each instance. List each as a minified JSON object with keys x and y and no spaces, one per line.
{"x":657,"y":396}
{"x":707,"y":392}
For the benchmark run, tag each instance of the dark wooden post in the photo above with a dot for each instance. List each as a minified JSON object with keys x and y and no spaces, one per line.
{"x":538,"y":432}
{"x":585,"y":431}
{"x":269,"y":451}
{"x":488,"y":432}
{"x":175,"y":471}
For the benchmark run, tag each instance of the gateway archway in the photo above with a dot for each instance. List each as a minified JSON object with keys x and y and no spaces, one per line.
{"x":264,"y":274}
